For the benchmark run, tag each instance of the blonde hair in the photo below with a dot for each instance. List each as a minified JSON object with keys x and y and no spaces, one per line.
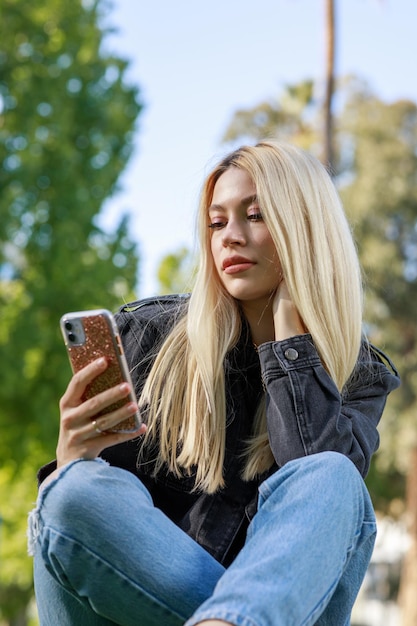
{"x":185,"y":391}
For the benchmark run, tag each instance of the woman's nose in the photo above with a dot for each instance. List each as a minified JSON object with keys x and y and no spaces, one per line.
{"x":233,"y":233}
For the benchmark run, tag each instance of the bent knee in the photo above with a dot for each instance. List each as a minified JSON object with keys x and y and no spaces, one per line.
{"x":340,"y":480}
{"x":334,"y":461}
{"x":328,"y":461}
{"x":332,"y":468}
{"x":328,"y":475}
{"x":85,"y":490}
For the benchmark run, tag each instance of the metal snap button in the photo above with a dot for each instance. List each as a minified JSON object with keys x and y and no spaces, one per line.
{"x":291,"y":354}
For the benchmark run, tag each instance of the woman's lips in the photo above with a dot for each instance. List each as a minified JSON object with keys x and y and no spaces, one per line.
{"x":234,"y":265}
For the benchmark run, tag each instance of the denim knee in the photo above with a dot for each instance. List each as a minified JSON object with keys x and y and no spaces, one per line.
{"x":326,"y":463}
{"x":79,"y":497}
{"x":328,"y":476}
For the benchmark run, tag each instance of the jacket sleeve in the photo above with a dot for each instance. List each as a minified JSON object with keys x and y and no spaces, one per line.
{"x":307,"y":414}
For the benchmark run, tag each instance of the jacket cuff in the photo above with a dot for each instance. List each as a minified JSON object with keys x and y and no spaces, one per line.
{"x":294,"y":353}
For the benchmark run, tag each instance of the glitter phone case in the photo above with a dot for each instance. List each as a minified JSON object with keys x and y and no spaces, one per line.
{"x":89,"y":335}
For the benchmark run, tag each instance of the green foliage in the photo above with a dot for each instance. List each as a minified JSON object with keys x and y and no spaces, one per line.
{"x":67,"y":119}
{"x":17,"y":498}
{"x":288,"y":117}
{"x":65,"y":136}
{"x":175,"y":272}
{"x":387,"y":488}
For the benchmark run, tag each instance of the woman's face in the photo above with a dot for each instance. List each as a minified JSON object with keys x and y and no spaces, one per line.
{"x":243,"y":251}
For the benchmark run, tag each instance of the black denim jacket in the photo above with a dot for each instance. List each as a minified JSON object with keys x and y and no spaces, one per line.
{"x":306,"y":414}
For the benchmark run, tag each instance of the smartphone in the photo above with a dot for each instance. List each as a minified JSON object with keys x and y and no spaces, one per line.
{"x":89,"y":335}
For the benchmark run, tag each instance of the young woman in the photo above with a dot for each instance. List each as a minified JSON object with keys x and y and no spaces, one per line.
{"x":243,"y":502}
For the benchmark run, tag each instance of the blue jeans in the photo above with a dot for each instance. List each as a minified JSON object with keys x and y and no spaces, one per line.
{"x":105,"y":555}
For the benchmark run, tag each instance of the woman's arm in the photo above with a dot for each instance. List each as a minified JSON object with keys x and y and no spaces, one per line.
{"x":306,"y":413}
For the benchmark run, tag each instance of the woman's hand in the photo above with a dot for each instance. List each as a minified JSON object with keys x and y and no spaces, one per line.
{"x":287,"y":321}
{"x":79,"y":435}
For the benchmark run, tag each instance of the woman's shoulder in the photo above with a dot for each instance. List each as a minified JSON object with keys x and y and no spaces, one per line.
{"x":156,"y":309}
{"x":374,"y":369}
{"x":143,"y":324}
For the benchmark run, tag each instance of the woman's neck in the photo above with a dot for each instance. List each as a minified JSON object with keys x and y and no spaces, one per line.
{"x":260,"y":320}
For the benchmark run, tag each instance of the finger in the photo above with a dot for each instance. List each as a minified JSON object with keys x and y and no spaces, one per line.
{"x":77,"y":419}
{"x":77,"y":428}
{"x":103,"y":401}
{"x":88,"y":444}
{"x":105,"y":423}
{"x":81,"y":379}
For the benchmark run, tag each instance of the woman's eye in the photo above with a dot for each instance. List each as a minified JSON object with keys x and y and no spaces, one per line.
{"x":216,"y":225}
{"x":255,"y":217}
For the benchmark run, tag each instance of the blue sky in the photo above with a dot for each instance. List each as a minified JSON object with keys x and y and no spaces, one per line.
{"x":198,"y":61}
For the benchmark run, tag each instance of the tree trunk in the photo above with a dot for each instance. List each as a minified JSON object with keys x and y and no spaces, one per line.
{"x":408,"y":586}
{"x":328,"y":154}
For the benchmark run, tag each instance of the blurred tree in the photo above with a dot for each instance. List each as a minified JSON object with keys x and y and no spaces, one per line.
{"x":67,"y":119}
{"x":290,"y":114}
{"x":175,"y":272}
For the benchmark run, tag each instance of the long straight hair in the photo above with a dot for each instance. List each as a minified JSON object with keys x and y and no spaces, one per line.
{"x":185,"y":390}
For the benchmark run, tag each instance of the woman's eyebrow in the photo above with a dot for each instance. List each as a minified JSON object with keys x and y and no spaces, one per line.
{"x":250,"y":199}
{"x":245,"y":201}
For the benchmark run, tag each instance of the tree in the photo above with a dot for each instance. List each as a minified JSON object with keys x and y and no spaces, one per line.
{"x":66,"y":125}
{"x":175,"y":272}
{"x":289,"y":114}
